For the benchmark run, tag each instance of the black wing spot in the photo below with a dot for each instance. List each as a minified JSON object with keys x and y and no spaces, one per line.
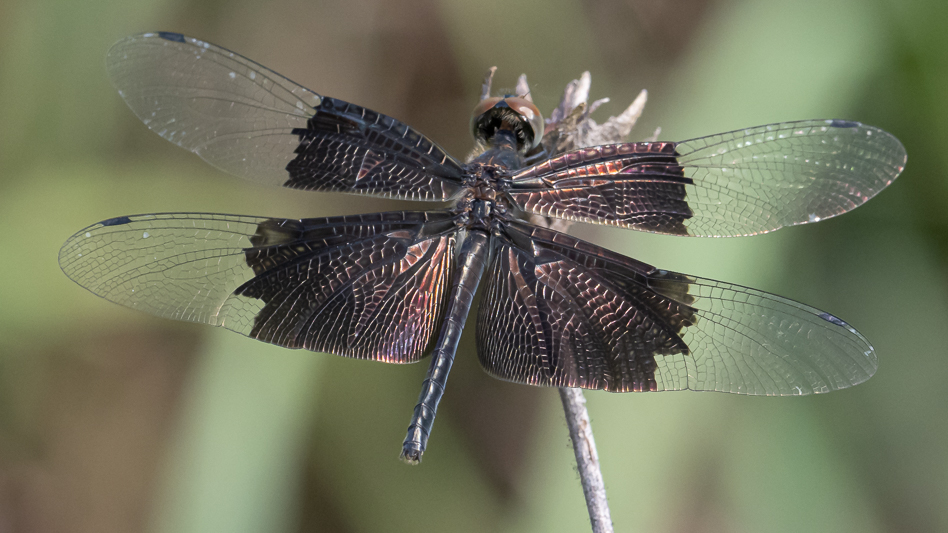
{"x":117,"y":221}
{"x":171,"y":36}
{"x":837,"y":123}
{"x":833,"y":320}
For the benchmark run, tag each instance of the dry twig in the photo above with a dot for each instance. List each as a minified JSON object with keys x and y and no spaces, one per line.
{"x":569,"y":127}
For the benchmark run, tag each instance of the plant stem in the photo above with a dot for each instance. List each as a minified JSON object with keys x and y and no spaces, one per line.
{"x":570,"y":126}
{"x":587,"y":460}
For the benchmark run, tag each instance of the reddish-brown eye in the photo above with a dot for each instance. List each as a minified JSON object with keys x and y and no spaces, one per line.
{"x":527,"y":110}
{"x":485,"y":105}
{"x":491,"y":112}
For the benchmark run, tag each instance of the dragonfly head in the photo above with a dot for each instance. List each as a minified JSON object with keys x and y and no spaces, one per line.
{"x":511,"y":113}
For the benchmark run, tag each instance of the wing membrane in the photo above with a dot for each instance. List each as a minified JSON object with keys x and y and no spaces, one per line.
{"x":742,"y":182}
{"x":558,"y":311}
{"x":370,"y":286}
{"x":252,"y":122}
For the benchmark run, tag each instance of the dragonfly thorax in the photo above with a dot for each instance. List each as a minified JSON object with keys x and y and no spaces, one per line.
{"x":480,"y":205}
{"x":482,"y":210}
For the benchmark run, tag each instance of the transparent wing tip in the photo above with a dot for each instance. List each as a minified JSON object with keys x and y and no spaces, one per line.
{"x":889,"y":146}
{"x":865,"y":363}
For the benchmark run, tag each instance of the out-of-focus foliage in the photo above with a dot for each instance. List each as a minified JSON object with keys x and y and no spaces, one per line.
{"x":115,"y":421}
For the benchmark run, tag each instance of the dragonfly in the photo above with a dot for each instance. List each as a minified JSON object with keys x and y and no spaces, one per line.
{"x":398,"y":286}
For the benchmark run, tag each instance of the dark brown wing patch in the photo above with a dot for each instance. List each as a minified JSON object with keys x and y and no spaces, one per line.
{"x":635,"y":185}
{"x":370,"y":286}
{"x":742,"y":182}
{"x":348,"y":148}
{"x":245,"y":119}
{"x":562,"y":312}
{"x":555,"y":314}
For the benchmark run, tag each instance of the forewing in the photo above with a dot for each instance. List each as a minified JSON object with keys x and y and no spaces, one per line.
{"x":742,"y":182}
{"x":369,"y":286}
{"x":562,"y":312}
{"x":245,"y":119}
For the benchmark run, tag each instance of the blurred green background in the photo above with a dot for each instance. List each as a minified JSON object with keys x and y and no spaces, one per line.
{"x":113,"y":421}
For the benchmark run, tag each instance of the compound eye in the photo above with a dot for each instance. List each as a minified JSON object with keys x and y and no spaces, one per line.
{"x":512,"y":113}
{"x":484,"y":106}
{"x":528,"y":111}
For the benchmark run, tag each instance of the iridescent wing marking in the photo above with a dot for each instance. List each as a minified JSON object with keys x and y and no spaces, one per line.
{"x":245,"y":119}
{"x":562,"y":312}
{"x":369,"y":286}
{"x":742,"y":182}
